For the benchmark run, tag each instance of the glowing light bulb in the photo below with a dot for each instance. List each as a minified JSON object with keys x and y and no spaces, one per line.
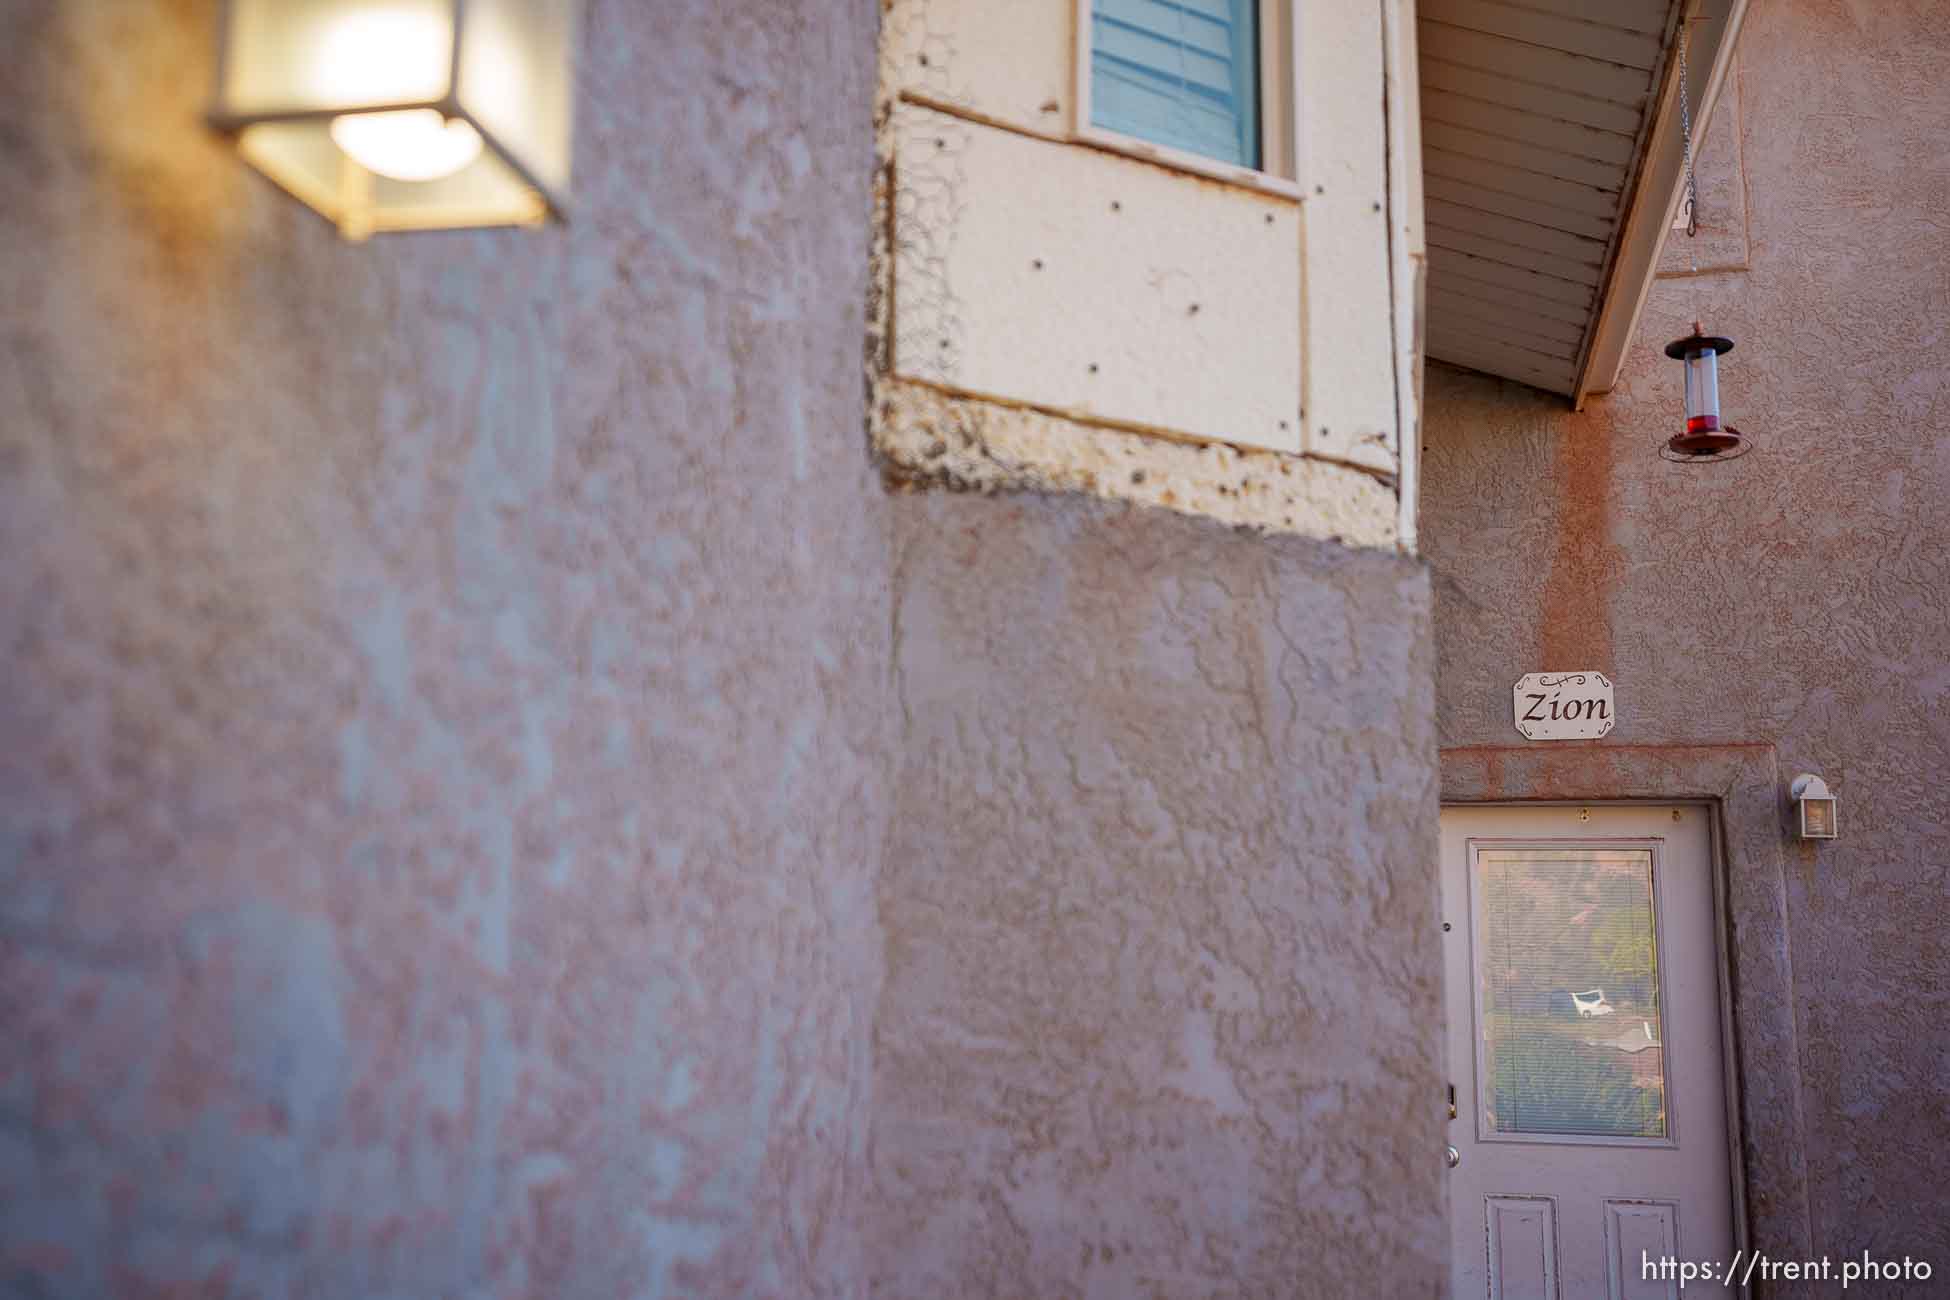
{"x":413,"y":144}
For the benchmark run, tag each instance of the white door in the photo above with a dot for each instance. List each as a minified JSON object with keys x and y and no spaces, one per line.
{"x":1584,"y":1050}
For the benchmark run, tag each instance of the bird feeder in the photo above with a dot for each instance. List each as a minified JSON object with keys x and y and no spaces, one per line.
{"x":1704,"y":435}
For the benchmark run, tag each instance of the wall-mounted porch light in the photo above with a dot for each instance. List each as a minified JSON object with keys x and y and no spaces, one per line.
{"x":404,"y":114}
{"x":1814,"y":807}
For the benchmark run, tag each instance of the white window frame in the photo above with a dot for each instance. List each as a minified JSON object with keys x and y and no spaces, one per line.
{"x":1279,"y":117}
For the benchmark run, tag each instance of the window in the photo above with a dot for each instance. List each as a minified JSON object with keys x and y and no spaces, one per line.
{"x":1193,"y":82}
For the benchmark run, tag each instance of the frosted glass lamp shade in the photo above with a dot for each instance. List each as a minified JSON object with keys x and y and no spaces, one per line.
{"x":404,"y":114}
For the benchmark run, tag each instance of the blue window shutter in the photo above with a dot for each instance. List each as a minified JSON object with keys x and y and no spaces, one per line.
{"x":1182,"y":73}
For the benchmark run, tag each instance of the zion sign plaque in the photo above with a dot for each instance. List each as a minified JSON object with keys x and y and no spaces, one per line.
{"x":1564,"y":706}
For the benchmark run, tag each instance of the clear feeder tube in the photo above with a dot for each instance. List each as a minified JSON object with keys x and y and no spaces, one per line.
{"x":1702,"y":391}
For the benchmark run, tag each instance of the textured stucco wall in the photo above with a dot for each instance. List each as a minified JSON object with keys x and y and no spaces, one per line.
{"x":452,"y":758}
{"x":1799,"y":596}
{"x":444,"y":747}
{"x":1162,"y":1011}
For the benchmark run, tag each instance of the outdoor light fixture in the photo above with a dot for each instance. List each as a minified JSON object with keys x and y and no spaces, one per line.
{"x":1704,"y":436}
{"x":404,"y":114}
{"x":1814,"y":807}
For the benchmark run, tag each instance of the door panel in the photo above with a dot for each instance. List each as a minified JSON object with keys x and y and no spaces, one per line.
{"x":1633,"y":1231}
{"x":1522,"y":1247}
{"x":1584,"y":1048}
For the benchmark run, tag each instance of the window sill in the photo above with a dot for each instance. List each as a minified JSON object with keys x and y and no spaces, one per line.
{"x":1096,"y":137}
{"x":1183,"y":161}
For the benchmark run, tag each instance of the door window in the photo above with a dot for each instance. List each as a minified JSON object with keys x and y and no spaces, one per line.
{"x":1570,"y":1040}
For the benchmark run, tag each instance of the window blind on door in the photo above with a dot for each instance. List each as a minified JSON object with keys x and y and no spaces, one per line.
{"x":1567,"y":967}
{"x":1181,"y":73}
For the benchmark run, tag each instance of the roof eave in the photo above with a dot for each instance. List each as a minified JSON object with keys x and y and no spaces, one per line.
{"x":1656,"y":195}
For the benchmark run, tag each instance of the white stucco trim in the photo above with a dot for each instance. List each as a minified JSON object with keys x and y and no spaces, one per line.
{"x":1407,"y":250}
{"x":1059,"y":309}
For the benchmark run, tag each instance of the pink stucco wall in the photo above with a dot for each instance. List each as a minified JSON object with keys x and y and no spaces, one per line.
{"x":437,"y":814}
{"x":1798,"y":597}
{"x":1163,"y":1005}
{"x":497,"y":799}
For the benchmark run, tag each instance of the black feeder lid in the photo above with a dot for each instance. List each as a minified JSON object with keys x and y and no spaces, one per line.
{"x":1680,"y":349}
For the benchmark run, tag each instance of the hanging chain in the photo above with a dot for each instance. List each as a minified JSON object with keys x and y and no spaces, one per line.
{"x":1686,"y":125}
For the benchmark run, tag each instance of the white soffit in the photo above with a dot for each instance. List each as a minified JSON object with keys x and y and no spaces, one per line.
{"x":1537,"y":159}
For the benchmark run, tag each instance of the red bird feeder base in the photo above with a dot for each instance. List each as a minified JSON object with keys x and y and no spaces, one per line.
{"x":1704,"y":437}
{"x":1696,"y":443}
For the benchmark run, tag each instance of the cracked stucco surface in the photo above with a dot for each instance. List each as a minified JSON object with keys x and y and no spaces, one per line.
{"x":932,"y":437}
{"x":1162,"y":1012}
{"x":1799,"y":596}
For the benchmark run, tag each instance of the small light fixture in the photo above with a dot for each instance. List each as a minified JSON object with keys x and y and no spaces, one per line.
{"x":1814,"y":807}
{"x":404,"y":114}
{"x":1704,"y":437}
